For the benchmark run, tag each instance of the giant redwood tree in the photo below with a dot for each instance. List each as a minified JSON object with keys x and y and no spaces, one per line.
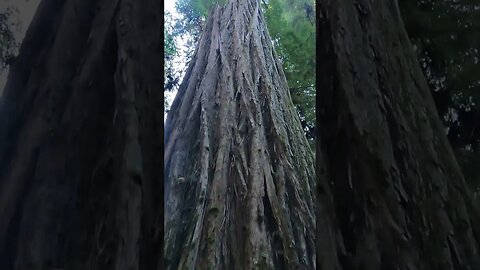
{"x":239,"y":173}
{"x":80,"y":139}
{"x":392,"y":195}
{"x":81,"y":148}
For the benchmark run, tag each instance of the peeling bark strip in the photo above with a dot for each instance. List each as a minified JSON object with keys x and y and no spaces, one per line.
{"x":398,"y":196}
{"x":80,"y":139}
{"x":239,"y":174}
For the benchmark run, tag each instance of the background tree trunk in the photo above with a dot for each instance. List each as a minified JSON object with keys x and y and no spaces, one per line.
{"x":239,"y":175}
{"x":392,"y":194}
{"x":80,"y":139}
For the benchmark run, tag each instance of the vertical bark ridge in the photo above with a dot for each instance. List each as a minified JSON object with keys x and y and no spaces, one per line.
{"x":30,"y":134}
{"x":400,"y":197}
{"x":253,"y":195}
{"x":83,"y":145}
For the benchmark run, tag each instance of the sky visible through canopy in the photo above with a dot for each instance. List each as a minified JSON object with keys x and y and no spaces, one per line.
{"x":179,"y":61}
{"x":170,"y":7}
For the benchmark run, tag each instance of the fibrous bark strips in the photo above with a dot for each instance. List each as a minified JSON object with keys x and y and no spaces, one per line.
{"x":79,"y":148}
{"x":80,"y":139}
{"x":239,"y":175}
{"x":392,"y":194}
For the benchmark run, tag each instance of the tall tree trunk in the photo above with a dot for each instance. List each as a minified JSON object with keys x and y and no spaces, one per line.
{"x":391,"y":193}
{"x":80,"y":139}
{"x":239,"y":175}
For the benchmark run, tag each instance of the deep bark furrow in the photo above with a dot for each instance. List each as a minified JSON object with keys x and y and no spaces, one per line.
{"x":243,"y":109}
{"x":90,"y":199}
{"x":401,"y":159}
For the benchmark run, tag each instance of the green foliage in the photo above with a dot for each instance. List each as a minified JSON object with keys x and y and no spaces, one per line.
{"x":204,"y":6}
{"x":194,"y":13}
{"x":293,"y":32}
{"x":169,"y":46}
{"x":192,"y":17}
{"x":170,"y":52}
{"x":291,"y":24}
